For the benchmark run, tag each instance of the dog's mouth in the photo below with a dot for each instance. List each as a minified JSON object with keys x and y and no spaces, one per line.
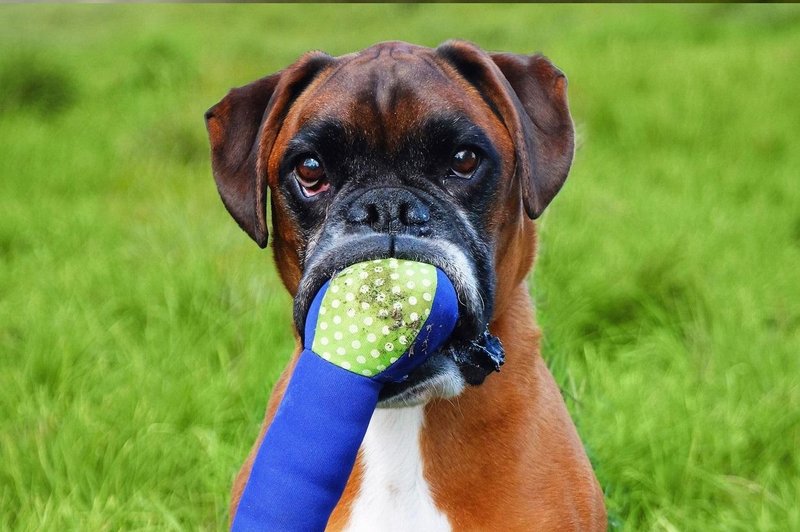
{"x":440,"y":253}
{"x":466,"y":358}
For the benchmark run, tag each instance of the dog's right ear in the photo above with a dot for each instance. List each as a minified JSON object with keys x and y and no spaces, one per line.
{"x":242,"y":128}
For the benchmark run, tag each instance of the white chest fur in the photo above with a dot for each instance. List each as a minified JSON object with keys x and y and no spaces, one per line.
{"x":394,"y":495}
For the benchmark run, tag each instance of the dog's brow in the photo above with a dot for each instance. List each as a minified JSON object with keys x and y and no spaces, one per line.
{"x":318,"y":135}
{"x":456,"y":129}
{"x":320,"y":130}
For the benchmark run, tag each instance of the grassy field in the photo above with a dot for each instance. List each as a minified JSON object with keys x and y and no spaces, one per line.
{"x":141,"y":331}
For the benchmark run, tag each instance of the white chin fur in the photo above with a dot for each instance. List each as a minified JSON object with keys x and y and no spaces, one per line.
{"x":446,"y":384}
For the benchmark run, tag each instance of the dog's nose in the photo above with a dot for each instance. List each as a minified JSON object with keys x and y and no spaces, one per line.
{"x":390,"y":210}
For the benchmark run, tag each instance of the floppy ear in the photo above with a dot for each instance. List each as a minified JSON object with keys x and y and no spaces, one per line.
{"x":529,"y":95}
{"x":242,"y":128}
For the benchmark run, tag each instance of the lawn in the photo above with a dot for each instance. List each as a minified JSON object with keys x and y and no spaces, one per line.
{"x":141,"y":330}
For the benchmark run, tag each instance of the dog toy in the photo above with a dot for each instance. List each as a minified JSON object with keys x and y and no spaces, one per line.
{"x":372,"y":323}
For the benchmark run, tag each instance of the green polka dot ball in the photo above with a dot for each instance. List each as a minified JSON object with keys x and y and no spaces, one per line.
{"x":372,"y":312}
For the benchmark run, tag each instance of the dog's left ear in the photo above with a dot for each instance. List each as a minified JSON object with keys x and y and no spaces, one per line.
{"x":530,"y":96}
{"x":242,"y":128}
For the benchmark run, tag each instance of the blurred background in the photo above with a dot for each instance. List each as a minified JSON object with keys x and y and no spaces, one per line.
{"x":141,"y":330}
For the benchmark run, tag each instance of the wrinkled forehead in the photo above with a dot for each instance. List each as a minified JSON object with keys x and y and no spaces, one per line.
{"x":391,"y":91}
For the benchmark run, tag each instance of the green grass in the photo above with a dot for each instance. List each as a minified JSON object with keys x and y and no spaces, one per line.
{"x":141,"y":331}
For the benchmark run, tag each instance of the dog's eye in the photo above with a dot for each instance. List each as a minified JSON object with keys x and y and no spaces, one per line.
{"x":311,"y":177}
{"x":464,"y":163}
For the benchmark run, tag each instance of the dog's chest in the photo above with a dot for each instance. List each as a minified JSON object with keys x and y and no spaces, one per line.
{"x":394,"y":495}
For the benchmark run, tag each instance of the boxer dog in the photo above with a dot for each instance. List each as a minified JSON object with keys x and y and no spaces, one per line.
{"x":443,"y":156}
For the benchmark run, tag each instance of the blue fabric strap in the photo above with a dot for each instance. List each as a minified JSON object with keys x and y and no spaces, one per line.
{"x":309,"y":449}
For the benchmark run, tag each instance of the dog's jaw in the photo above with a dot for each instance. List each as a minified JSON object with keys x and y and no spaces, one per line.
{"x":445,"y":383}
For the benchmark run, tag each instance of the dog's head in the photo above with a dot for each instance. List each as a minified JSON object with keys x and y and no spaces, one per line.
{"x":436,"y":155}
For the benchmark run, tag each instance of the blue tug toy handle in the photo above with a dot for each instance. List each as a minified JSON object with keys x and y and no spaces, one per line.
{"x":309,"y":450}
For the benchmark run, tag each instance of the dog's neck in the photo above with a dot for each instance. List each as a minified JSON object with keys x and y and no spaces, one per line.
{"x":406,"y":454}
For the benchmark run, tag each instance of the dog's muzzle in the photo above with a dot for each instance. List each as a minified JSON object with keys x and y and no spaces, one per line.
{"x":404,"y":223}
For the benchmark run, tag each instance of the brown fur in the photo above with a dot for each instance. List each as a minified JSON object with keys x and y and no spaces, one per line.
{"x":504,"y":455}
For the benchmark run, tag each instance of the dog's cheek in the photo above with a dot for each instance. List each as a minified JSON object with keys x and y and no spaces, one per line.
{"x":288,"y":244}
{"x":515,"y":250}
